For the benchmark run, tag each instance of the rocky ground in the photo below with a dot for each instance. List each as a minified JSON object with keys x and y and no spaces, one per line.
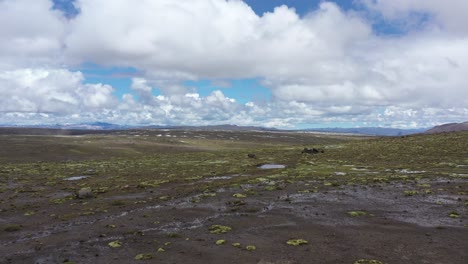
{"x":203,"y":200}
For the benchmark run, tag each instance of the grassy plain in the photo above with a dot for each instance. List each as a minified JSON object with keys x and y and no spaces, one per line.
{"x":196,"y":197}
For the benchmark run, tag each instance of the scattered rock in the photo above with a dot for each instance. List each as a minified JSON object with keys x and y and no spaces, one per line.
{"x":252,"y":156}
{"x":85,"y":193}
{"x":312,"y":151}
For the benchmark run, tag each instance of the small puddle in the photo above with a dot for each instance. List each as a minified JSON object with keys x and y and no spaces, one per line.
{"x":76,"y":178}
{"x":271,"y":166}
{"x":220,"y":178}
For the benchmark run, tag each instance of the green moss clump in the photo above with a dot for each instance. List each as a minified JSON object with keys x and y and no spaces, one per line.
{"x":219,"y":229}
{"x":173,"y":235}
{"x":297,"y":242}
{"x":251,"y":247}
{"x":411,"y":193}
{"x":237,"y":245}
{"x":454,"y":214}
{"x":143,"y":256}
{"x":239,"y":195}
{"x":220,"y":242}
{"x":115,"y":244}
{"x":12,"y":228}
{"x":357,"y":213}
{"x":368,"y":261}
{"x":164,"y":198}
{"x":206,"y":195}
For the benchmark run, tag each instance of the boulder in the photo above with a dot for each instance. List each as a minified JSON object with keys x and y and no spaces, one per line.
{"x":312,"y":151}
{"x":85,"y":193}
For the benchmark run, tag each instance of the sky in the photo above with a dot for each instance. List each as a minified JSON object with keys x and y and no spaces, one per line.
{"x":277,"y":63}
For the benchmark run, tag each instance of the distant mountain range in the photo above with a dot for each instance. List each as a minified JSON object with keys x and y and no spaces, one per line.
{"x":109,"y":126}
{"x":101,"y":126}
{"x":84,"y":126}
{"x":371,"y":131}
{"x":223,"y":128}
{"x":451,"y":127}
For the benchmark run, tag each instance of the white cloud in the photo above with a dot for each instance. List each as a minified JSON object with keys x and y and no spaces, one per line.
{"x":31,"y":33}
{"x":447,"y":16}
{"x":55,"y":91}
{"x":329,"y":65}
{"x":213,"y":39}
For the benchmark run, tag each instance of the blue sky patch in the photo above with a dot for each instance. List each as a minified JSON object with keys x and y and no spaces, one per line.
{"x":243,"y":90}
{"x":118,"y":77}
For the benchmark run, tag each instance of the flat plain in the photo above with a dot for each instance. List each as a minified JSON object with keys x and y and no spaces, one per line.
{"x":175,"y":196}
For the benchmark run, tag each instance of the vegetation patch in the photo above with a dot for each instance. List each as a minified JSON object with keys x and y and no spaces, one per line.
{"x":143,"y":257}
{"x":12,"y":228}
{"x":220,"y":242}
{"x":219,"y":229}
{"x":251,"y":247}
{"x":454,"y":214}
{"x":130,"y":177}
{"x":115,"y":244}
{"x":357,"y":213}
{"x":164,"y":198}
{"x":297,"y":242}
{"x":173,"y":235}
{"x":368,"y":261}
{"x":206,"y":195}
{"x":410,"y":192}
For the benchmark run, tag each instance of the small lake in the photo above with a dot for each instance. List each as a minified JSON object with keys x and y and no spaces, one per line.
{"x":271,"y":166}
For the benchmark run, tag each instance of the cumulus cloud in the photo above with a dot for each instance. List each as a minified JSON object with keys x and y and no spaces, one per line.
{"x":447,"y":16}
{"x":327,"y":66}
{"x":213,"y":39}
{"x":31,"y":34}
{"x":53,"y":91}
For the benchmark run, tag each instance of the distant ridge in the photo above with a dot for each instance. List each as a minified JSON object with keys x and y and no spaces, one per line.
{"x":451,"y":127}
{"x":224,"y":128}
{"x":371,"y":131}
{"x":101,"y":127}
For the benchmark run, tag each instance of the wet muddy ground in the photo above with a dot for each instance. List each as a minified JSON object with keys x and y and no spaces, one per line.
{"x":217,"y":206}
